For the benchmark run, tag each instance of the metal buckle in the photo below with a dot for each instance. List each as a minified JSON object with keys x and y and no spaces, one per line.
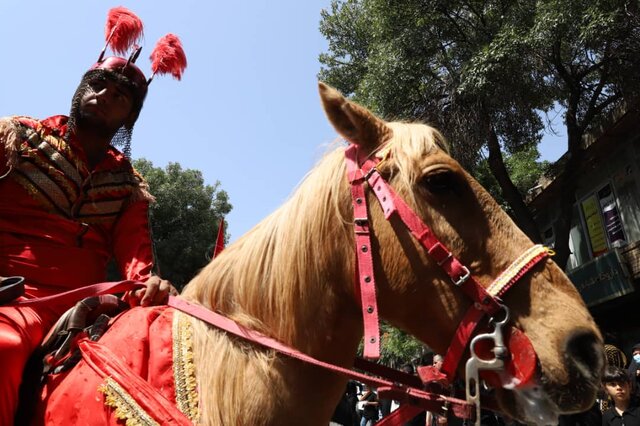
{"x":370,"y":172}
{"x":475,"y":363}
{"x":464,"y":277}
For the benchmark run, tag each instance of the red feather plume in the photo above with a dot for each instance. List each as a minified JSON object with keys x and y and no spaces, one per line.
{"x":168,"y":57}
{"x":122,"y":30}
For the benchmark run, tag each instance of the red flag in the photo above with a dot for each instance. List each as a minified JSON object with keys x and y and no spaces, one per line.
{"x":220,"y":240}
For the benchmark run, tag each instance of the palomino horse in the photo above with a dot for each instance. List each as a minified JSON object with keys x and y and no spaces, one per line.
{"x":291,"y":278}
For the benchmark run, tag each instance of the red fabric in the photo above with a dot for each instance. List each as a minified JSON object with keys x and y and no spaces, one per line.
{"x":123,"y":29}
{"x":73,"y":397}
{"x":219,"y":240}
{"x":56,"y":254}
{"x":21,"y":330}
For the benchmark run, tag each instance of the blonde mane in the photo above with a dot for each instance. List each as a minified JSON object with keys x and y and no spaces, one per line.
{"x":284,"y":277}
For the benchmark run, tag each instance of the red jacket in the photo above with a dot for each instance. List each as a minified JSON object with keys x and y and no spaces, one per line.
{"x":60,"y":223}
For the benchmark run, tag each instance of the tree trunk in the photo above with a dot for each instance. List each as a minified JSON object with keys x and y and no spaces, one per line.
{"x":523,"y":217}
{"x":568,"y":184}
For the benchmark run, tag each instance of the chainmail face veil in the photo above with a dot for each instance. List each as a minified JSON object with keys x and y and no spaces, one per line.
{"x":122,"y":138}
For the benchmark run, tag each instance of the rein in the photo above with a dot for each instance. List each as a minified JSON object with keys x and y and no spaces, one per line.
{"x":397,"y":385}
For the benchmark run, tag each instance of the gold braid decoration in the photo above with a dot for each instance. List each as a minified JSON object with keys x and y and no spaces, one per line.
{"x":126,"y":408}
{"x":183,"y":368}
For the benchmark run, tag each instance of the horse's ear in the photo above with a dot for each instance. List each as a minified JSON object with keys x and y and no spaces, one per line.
{"x":354,"y":122}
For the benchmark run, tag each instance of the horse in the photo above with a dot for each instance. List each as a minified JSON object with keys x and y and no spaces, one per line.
{"x":291,"y":278}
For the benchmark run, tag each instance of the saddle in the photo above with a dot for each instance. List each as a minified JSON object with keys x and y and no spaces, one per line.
{"x":88,"y":318}
{"x":58,"y":352}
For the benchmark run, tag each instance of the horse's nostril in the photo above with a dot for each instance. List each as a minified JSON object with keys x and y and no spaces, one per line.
{"x":584,"y":352}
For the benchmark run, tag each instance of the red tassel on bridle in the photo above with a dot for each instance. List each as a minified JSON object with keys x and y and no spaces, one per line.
{"x":122,"y":30}
{"x":168,"y":57}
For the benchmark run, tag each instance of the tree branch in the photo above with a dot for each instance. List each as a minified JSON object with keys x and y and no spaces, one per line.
{"x":557,"y":63}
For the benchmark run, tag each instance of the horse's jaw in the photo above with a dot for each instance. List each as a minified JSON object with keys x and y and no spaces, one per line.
{"x":537,"y":408}
{"x":541,"y":402}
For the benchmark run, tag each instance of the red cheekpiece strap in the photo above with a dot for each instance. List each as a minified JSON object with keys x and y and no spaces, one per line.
{"x":471,"y":320}
{"x":365,"y":279}
{"x":460,"y":341}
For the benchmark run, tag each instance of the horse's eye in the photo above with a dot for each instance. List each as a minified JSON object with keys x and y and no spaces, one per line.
{"x":440,"y":182}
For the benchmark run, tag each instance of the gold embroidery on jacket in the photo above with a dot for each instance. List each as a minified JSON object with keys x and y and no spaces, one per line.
{"x":54,"y":176}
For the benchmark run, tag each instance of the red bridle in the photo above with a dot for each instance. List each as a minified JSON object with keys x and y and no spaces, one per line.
{"x":362,"y":172}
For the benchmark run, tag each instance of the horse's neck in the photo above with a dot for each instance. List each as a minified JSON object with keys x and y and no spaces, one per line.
{"x":322,"y":321}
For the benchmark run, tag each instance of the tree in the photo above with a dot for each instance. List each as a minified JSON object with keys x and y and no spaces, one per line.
{"x":456,"y":64}
{"x":184,"y":219}
{"x":523,"y":168}
{"x":399,"y":348}
{"x":588,"y":50}
{"x":481,"y":70}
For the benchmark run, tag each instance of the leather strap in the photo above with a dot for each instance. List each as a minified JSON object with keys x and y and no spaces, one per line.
{"x":485,"y":301}
{"x":365,"y":278}
{"x":72,"y":296}
{"x":425,"y":400}
{"x":471,"y":319}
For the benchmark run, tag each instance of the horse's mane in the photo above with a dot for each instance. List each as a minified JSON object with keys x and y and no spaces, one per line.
{"x":283,"y":277}
{"x":266,"y":273}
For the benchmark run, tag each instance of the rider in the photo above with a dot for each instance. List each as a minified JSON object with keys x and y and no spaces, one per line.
{"x":70,"y":201}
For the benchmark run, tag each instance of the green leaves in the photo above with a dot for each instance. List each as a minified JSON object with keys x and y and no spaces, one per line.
{"x":397,"y":347}
{"x":455,"y":64}
{"x":184,"y":219}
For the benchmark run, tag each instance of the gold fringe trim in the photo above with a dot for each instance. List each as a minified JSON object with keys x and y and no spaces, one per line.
{"x":142,"y":192}
{"x":183,"y":368}
{"x":126,"y":408}
{"x":9,"y":137}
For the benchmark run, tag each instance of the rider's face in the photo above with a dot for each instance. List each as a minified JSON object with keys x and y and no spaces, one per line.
{"x":106,"y":104}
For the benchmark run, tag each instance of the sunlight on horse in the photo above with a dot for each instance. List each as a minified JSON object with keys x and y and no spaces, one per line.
{"x":291,"y":278}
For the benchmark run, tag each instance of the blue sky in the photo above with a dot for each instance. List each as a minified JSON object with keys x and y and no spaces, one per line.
{"x":246,"y":112}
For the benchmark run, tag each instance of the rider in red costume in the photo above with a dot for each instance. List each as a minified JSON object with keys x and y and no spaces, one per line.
{"x":70,"y":201}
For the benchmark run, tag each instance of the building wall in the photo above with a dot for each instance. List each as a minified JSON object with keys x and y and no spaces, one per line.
{"x":608,"y":280}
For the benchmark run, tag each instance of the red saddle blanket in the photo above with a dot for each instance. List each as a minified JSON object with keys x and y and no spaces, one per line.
{"x":141,"y":371}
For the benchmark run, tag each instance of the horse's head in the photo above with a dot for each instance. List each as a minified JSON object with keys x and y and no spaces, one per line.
{"x":416,"y":295}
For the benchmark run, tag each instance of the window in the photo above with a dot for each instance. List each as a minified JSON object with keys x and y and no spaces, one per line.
{"x":601,"y":218}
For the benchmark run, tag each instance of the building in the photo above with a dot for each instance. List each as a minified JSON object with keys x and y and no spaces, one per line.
{"x":605,"y":232}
